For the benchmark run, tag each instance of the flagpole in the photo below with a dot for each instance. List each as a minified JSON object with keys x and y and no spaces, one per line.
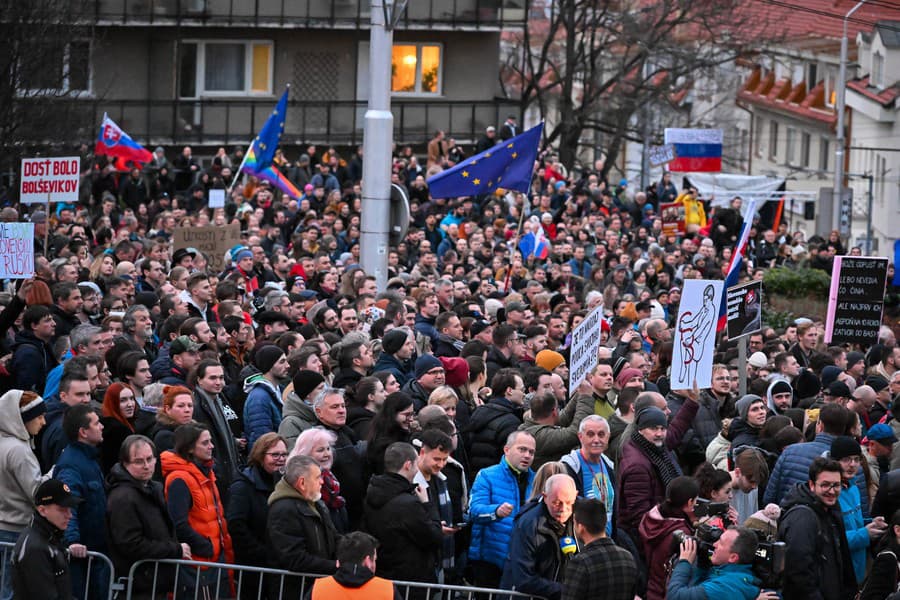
{"x":243,"y":161}
{"x":515,"y":244}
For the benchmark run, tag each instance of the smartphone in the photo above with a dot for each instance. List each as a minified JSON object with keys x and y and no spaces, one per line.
{"x":460,"y":525}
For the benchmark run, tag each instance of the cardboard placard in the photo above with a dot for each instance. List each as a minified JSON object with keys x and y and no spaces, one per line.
{"x":16,"y":250}
{"x":49,"y":180}
{"x":660,"y":155}
{"x":744,"y":309}
{"x":673,"y":223}
{"x":585,"y":344}
{"x":695,"y":334}
{"x":213,"y":241}
{"x":856,"y":299}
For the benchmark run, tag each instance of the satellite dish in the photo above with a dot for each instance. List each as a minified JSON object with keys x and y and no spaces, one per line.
{"x":399,"y":223}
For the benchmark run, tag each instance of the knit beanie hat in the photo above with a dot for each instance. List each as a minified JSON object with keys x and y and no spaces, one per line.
{"x":456,"y":370}
{"x":425,"y":363}
{"x":852,"y":358}
{"x":393,"y":340}
{"x":830,"y":374}
{"x":743,"y":405}
{"x":844,"y":446}
{"x":765,"y":520}
{"x":305,"y":381}
{"x":627,"y":375}
{"x":31,"y":405}
{"x":651,"y":417}
{"x":549,"y":359}
{"x":781,"y":387}
{"x":807,"y":384}
{"x":266,"y":357}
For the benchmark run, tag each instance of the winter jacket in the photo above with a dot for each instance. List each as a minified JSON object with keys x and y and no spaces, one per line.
{"x":733,"y":581}
{"x":655,"y":531}
{"x":52,"y":440}
{"x":705,"y":426}
{"x":196,"y":508}
{"x":717,"y":452}
{"x":65,"y":322}
{"x":114,"y":433}
{"x":346,"y":378}
{"x":402,"y":372}
{"x":536,"y":563}
{"x":301,"y":535}
{"x":490,"y":534}
{"x":857,"y":535}
{"x":410,"y":538}
{"x":817,"y":564}
{"x":487,"y":431}
{"x":353,"y":581}
{"x":32,"y":361}
{"x":359,"y":419}
{"x":425,"y":326}
{"x":40,"y":563}
{"x":247,"y":515}
{"x":138,"y":527}
{"x":20,"y":473}
{"x":573,"y":464}
{"x":349,"y":469}
{"x":742,"y":434}
{"x":884,"y":574}
{"x":262,"y":411}
{"x":298,"y":417}
{"x":447,"y":346}
{"x":79,"y":468}
{"x":209,"y":410}
{"x":554,"y":441}
{"x":496,"y":360}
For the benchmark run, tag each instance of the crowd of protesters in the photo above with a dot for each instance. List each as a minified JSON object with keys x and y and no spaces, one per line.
{"x":267,"y":414}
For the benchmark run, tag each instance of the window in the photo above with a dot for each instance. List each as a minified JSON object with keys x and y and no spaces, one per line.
{"x":812,"y":75}
{"x":416,"y":69}
{"x":60,"y":67}
{"x":790,"y":145}
{"x":805,"y":141}
{"x":878,"y":70}
{"x":773,"y":140}
{"x":224,"y":68}
{"x":824,"y":154}
{"x":758,"y":135}
{"x":831,"y":76}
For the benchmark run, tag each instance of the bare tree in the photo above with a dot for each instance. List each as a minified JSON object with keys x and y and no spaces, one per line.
{"x":593,"y":65}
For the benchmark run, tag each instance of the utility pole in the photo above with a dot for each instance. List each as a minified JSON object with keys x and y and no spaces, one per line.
{"x":378,"y":135}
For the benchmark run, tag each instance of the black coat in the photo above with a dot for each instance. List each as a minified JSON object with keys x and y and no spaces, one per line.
{"x":247,"y":514}
{"x":349,"y":468}
{"x":114,"y":433}
{"x":209,"y":411}
{"x":40,"y":565}
{"x":487,"y":431}
{"x":139,"y":527}
{"x":410,"y":539}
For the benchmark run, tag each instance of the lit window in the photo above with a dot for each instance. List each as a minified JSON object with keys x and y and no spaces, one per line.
{"x":416,"y":69}
{"x":224,"y":68}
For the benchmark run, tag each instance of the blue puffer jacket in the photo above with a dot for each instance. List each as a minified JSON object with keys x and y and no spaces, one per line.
{"x":726,"y":581}
{"x":855,"y":525}
{"x":388,"y":362}
{"x":262,"y":411}
{"x":490,"y":535}
{"x":79,"y":468}
{"x":793,"y":468}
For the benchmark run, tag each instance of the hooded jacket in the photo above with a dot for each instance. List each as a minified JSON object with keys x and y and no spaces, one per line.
{"x":139,"y":527}
{"x":769,"y":401}
{"x":552,"y":441}
{"x":655,"y":531}
{"x":353,"y":581}
{"x":40,"y":564}
{"x":410,"y":538}
{"x":736,"y":581}
{"x":20,"y":473}
{"x":817,"y":565}
{"x":32,"y":361}
{"x":301,"y":535}
{"x":263,"y":409}
{"x":298,"y":417}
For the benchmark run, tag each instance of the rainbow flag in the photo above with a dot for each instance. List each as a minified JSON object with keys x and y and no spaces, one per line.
{"x":262,"y":151}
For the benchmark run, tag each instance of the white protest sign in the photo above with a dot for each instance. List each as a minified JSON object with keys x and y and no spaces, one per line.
{"x":583,"y":352}
{"x":695,"y":334}
{"x":49,"y":180}
{"x":660,"y":155}
{"x":16,"y":250}
{"x":216,"y":198}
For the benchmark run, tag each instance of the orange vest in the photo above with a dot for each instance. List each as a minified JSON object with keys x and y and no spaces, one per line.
{"x":207,"y":516}
{"x":326,"y":588}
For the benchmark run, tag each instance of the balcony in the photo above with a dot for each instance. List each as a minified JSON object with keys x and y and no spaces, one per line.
{"x":235,"y":122}
{"x":490,"y":15}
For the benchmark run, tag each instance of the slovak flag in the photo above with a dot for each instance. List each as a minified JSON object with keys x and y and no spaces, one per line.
{"x":535,"y":244}
{"x":734,"y":267}
{"x":696,"y":150}
{"x":112,"y":141}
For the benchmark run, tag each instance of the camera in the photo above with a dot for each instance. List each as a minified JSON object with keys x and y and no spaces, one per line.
{"x":768,"y":565}
{"x":705,"y":536}
{"x":705,"y":508}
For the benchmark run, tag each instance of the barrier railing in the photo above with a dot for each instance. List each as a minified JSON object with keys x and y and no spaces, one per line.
{"x":94,"y":559}
{"x":187,"y":579}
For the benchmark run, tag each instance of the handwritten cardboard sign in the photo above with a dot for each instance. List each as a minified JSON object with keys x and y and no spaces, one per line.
{"x":50,"y":179}
{"x":212,"y":241}
{"x":16,"y":250}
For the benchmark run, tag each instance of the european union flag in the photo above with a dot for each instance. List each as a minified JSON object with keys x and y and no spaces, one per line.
{"x":266,"y":142}
{"x":508,"y":165}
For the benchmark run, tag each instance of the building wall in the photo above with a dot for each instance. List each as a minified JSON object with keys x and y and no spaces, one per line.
{"x":885,"y":166}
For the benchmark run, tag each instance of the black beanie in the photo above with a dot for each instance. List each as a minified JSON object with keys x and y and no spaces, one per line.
{"x":305,"y":381}
{"x":266,"y":357}
{"x":393,"y":340}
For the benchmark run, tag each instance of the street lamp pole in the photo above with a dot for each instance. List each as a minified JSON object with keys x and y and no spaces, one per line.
{"x":837,"y":196}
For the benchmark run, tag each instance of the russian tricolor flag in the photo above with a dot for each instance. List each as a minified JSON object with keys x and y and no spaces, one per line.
{"x":696,"y":150}
{"x":733,"y":272}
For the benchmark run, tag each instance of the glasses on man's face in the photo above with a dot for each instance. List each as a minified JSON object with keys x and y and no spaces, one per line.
{"x":829,"y":486}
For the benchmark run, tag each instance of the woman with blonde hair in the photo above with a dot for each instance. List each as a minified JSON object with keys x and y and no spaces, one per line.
{"x":318,"y":443}
{"x":546,"y":471}
{"x":445,"y":397}
{"x":104,"y":265}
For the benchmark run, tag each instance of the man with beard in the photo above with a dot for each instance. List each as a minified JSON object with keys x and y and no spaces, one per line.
{"x":262,"y":410}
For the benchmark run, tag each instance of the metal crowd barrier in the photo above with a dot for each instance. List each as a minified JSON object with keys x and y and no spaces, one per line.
{"x":239,"y":581}
{"x":113,"y":587}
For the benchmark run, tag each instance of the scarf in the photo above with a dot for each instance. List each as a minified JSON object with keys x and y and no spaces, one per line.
{"x":331,"y":491}
{"x":665,"y":467}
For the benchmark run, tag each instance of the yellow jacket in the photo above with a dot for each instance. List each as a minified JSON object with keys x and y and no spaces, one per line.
{"x":693,"y":210}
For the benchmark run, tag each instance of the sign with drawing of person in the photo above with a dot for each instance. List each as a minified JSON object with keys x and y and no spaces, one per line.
{"x":672,"y":214}
{"x":695,"y":333}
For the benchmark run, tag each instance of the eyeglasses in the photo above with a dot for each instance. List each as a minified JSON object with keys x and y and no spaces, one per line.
{"x":851,"y":459}
{"x":277,"y":455}
{"x":829,"y":486}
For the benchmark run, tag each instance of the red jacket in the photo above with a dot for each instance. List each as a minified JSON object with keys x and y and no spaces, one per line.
{"x":656,"y":540}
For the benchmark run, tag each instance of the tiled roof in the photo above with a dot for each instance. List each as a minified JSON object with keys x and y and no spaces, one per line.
{"x":784,"y":97}
{"x":799,"y":19}
{"x":885,"y":97}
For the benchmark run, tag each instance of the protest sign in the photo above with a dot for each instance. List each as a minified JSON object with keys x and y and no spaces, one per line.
{"x":16,"y":250}
{"x":744,"y":309}
{"x":673,"y":224}
{"x":695,"y":334}
{"x":583,"y":352}
{"x":660,"y":155}
{"x":212,"y":241}
{"x":856,"y":299}
{"x":216,"y":198}
{"x":49,"y":180}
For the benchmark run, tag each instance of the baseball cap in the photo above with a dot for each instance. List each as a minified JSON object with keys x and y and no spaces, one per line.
{"x":183,"y":344}
{"x":54,"y":491}
{"x":839,"y":389}
{"x":881,"y":433}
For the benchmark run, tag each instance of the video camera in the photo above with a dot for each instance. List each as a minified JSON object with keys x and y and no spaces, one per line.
{"x":768,"y":565}
{"x":705,"y":536}
{"x":705,"y":508}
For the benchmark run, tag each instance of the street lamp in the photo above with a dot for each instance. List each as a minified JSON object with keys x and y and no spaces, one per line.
{"x":837,"y":196}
